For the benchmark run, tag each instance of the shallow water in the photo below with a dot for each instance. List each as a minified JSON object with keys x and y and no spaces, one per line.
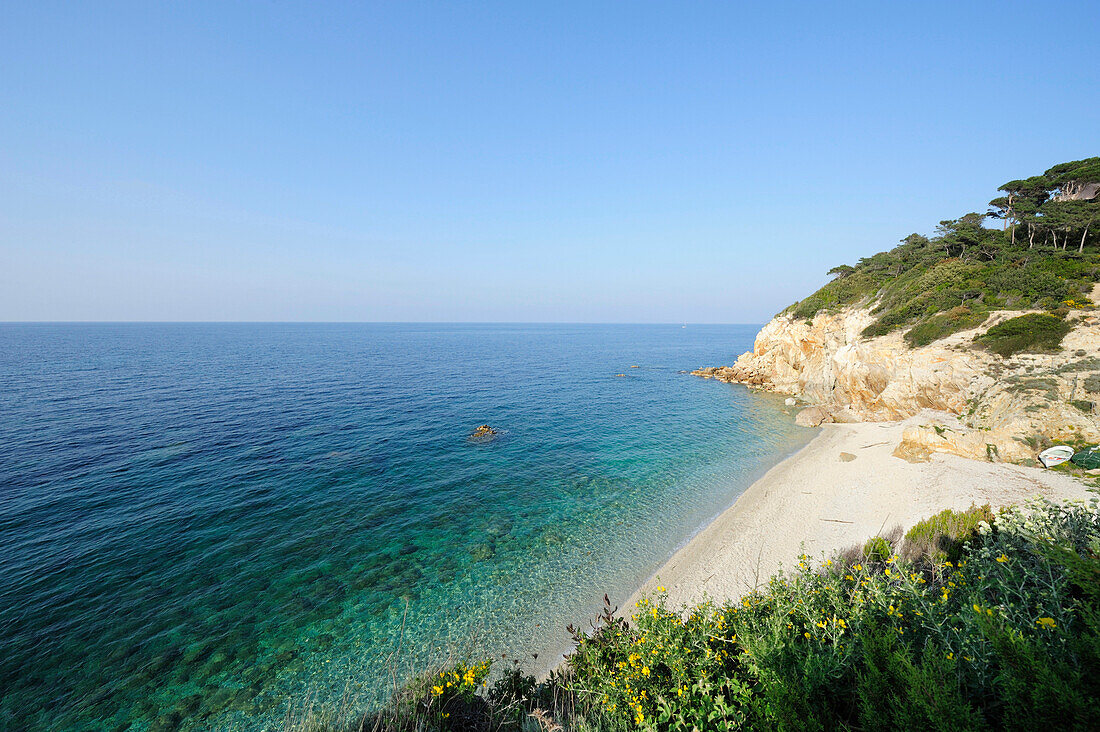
{"x":204,"y":524}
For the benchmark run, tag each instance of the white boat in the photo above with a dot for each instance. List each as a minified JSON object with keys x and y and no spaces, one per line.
{"x":1055,"y":455}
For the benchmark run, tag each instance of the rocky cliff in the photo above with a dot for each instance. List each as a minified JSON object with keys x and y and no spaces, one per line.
{"x":988,"y":407}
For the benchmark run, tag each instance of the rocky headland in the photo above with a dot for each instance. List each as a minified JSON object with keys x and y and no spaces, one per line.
{"x":988,"y":407}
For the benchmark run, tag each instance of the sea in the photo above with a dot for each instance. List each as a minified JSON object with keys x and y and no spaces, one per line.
{"x":229,"y":526}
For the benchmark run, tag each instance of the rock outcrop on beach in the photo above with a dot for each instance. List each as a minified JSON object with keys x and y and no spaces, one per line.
{"x":992,"y":407}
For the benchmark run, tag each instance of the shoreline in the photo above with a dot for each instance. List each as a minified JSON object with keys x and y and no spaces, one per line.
{"x":818,"y":502}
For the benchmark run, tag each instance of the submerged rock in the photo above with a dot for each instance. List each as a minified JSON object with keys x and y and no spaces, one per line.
{"x":481,"y":552}
{"x":499,"y":526}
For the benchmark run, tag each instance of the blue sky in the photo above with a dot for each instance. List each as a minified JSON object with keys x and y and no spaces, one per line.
{"x":618,"y":162}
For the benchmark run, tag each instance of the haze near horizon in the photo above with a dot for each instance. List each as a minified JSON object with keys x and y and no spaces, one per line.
{"x":565,"y":163}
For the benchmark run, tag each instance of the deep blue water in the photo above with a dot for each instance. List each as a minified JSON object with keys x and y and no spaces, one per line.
{"x":201,"y":526}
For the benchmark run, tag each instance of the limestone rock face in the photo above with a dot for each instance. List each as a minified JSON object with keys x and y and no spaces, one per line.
{"x":813,"y":416}
{"x":1008,"y":407}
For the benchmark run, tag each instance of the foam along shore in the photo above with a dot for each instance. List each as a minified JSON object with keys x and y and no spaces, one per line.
{"x":844,"y":487}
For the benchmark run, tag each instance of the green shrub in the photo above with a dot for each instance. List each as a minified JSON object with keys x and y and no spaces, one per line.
{"x":1031,"y":333}
{"x":944,"y":324}
{"x":877,"y":549}
{"x":898,"y":691}
{"x":941,"y":537}
{"x":842,"y":291}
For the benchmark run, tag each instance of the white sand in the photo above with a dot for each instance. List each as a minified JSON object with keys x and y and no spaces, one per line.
{"x":817,"y":503}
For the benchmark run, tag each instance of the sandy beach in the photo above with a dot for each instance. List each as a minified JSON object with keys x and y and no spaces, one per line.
{"x":842,"y":488}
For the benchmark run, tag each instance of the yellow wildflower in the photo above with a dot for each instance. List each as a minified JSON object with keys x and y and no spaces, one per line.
{"x":1046,"y":623}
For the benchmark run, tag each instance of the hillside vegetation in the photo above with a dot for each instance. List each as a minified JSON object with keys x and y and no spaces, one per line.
{"x":1045,"y":256}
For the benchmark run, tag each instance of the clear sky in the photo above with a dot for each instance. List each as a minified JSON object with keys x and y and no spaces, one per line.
{"x":513,"y":161}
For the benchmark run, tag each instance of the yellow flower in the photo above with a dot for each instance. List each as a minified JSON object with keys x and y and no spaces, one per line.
{"x":660,"y":589}
{"x":437,"y":690}
{"x":977,"y":608}
{"x":645,"y":670}
{"x":1046,"y":622}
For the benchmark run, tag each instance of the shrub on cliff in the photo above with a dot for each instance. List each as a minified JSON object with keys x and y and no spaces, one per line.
{"x":1031,"y":333}
{"x":942,"y":325}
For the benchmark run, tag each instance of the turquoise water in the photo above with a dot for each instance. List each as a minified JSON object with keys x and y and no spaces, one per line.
{"x":207,"y":525}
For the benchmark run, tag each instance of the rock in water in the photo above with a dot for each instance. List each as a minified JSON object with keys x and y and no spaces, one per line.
{"x":484,"y":433}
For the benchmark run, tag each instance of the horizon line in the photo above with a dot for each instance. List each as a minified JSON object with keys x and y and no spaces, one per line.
{"x":354,"y":322}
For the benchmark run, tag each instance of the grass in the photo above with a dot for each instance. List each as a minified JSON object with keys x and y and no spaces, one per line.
{"x":1031,"y":333}
{"x":1006,"y":635}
